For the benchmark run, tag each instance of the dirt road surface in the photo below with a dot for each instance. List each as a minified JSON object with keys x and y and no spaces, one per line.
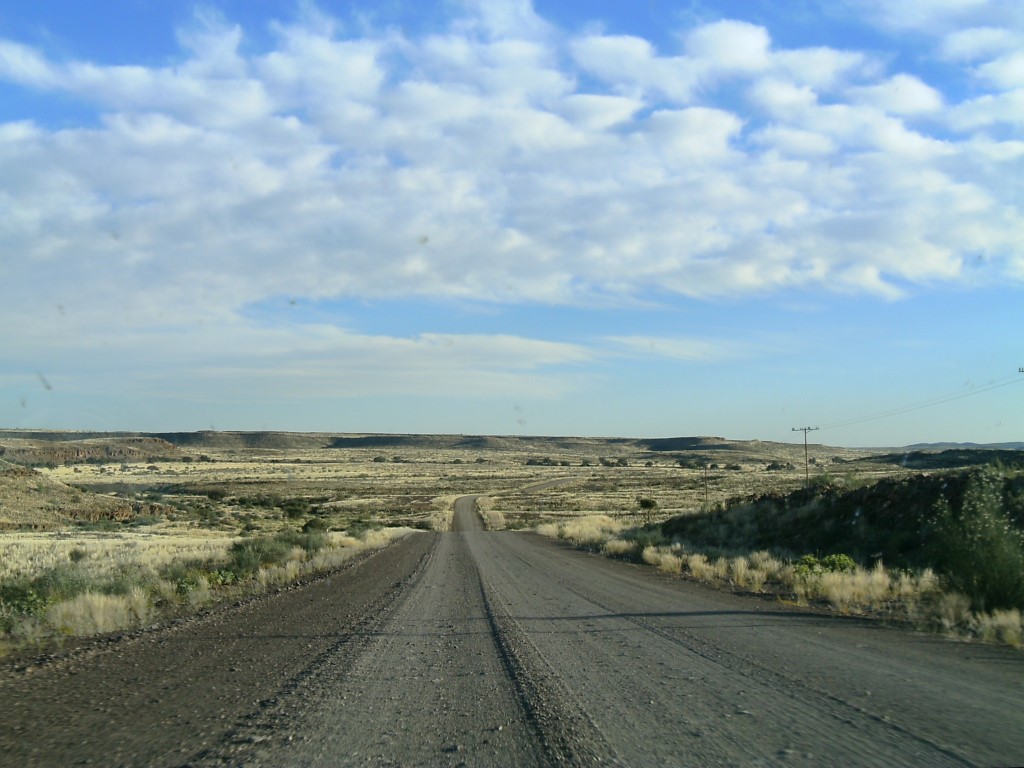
{"x":499,"y":648}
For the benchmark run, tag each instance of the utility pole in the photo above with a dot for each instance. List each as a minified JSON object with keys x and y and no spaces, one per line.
{"x":707,"y":506}
{"x":807,"y":470}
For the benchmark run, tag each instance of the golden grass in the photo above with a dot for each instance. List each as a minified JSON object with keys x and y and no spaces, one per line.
{"x":92,"y":613}
{"x":29,"y":553}
{"x":492,"y":518}
{"x":915,"y":597}
{"x":101,"y":555}
{"x":1002,"y":627}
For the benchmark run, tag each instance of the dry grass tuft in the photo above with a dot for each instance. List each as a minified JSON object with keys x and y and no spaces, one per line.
{"x":93,"y":614}
{"x":663,"y":559}
{"x":619,"y":548}
{"x":593,"y":531}
{"x":1002,"y":627}
{"x":493,"y":519}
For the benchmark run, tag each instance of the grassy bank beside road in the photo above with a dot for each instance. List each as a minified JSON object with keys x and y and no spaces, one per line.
{"x":943,"y":552}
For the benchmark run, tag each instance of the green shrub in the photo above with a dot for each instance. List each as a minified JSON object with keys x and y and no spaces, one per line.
{"x":645,"y":537}
{"x":314,"y":525}
{"x":20,"y":597}
{"x":186,"y":576}
{"x":219,"y":577}
{"x":806,"y":566}
{"x":63,"y":582}
{"x":838,"y":563}
{"x":979,"y":547}
{"x":309,"y":541}
{"x":130,"y":576}
{"x":249,"y":554}
{"x":295,"y":508}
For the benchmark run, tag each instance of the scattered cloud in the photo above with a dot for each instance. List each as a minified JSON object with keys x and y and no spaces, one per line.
{"x":900,"y":95}
{"x":500,"y":159}
{"x":925,"y":15}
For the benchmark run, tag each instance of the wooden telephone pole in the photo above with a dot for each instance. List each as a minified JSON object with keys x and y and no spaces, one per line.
{"x":807,"y":470}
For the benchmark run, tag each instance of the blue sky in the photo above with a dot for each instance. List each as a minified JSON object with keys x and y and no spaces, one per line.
{"x":589,"y":218}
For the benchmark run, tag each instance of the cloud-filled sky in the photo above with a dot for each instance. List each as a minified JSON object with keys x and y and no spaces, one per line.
{"x":504,"y":217}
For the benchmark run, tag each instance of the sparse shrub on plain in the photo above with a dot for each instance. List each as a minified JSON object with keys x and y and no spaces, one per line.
{"x":311,"y":542}
{"x":314,"y":525}
{"x":248,"y":555}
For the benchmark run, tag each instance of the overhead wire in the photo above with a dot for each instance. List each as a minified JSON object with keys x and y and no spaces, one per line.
{"x":999,"y":384}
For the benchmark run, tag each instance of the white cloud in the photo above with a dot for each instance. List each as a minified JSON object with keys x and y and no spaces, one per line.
{"x":730,"y":47}
{"x":694,"y":136}
{"x":989,"y":110}
{"x":25,"y":66}
{"x":504,"y":18}
{"x":920,"y":14}
{"x":1005,"y":72}
{"x":977,"y":43}
{"x":821,"y":68}
{"x":495,"y":163}
{"x":795,"y":142}
{"x":781,"y":97}
{"x":598,"y":111}
{"x":630,"y":66}
{"x":900,"y":95}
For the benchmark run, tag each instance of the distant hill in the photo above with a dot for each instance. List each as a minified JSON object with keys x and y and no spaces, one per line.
{"x":75,"y":450}
{"x":954,"y":457}
{"x":35,"y":447}
{"x":965,"y":446}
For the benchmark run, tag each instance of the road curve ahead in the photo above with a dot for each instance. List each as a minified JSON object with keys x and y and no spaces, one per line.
{"x":502,"y":648}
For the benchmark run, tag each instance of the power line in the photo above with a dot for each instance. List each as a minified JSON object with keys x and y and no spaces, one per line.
{"x":1008,"y":382}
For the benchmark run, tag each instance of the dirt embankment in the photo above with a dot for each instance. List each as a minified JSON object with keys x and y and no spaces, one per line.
{"x":31,"y":500}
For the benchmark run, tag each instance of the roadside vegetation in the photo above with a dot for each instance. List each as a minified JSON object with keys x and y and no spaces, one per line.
{"x":113,"y":532}
{"x":943,"y":552}
{"x":63,"y":585}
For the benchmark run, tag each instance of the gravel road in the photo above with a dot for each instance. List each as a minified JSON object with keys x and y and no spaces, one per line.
{"x":478,"y":648}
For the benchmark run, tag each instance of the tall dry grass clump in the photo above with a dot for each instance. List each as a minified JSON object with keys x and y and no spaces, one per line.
{"x":591,"y":532}
{"x":616,"y":547}
{"x":93,"y":613}
{"x":492,"y":518}
{"x":662,"y":558}
{"x":1002,"y":626}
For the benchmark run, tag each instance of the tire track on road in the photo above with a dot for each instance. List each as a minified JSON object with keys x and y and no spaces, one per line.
{"x":757,"y":673}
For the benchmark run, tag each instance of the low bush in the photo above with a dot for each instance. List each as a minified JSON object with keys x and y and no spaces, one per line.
{"x":249,"y":554}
